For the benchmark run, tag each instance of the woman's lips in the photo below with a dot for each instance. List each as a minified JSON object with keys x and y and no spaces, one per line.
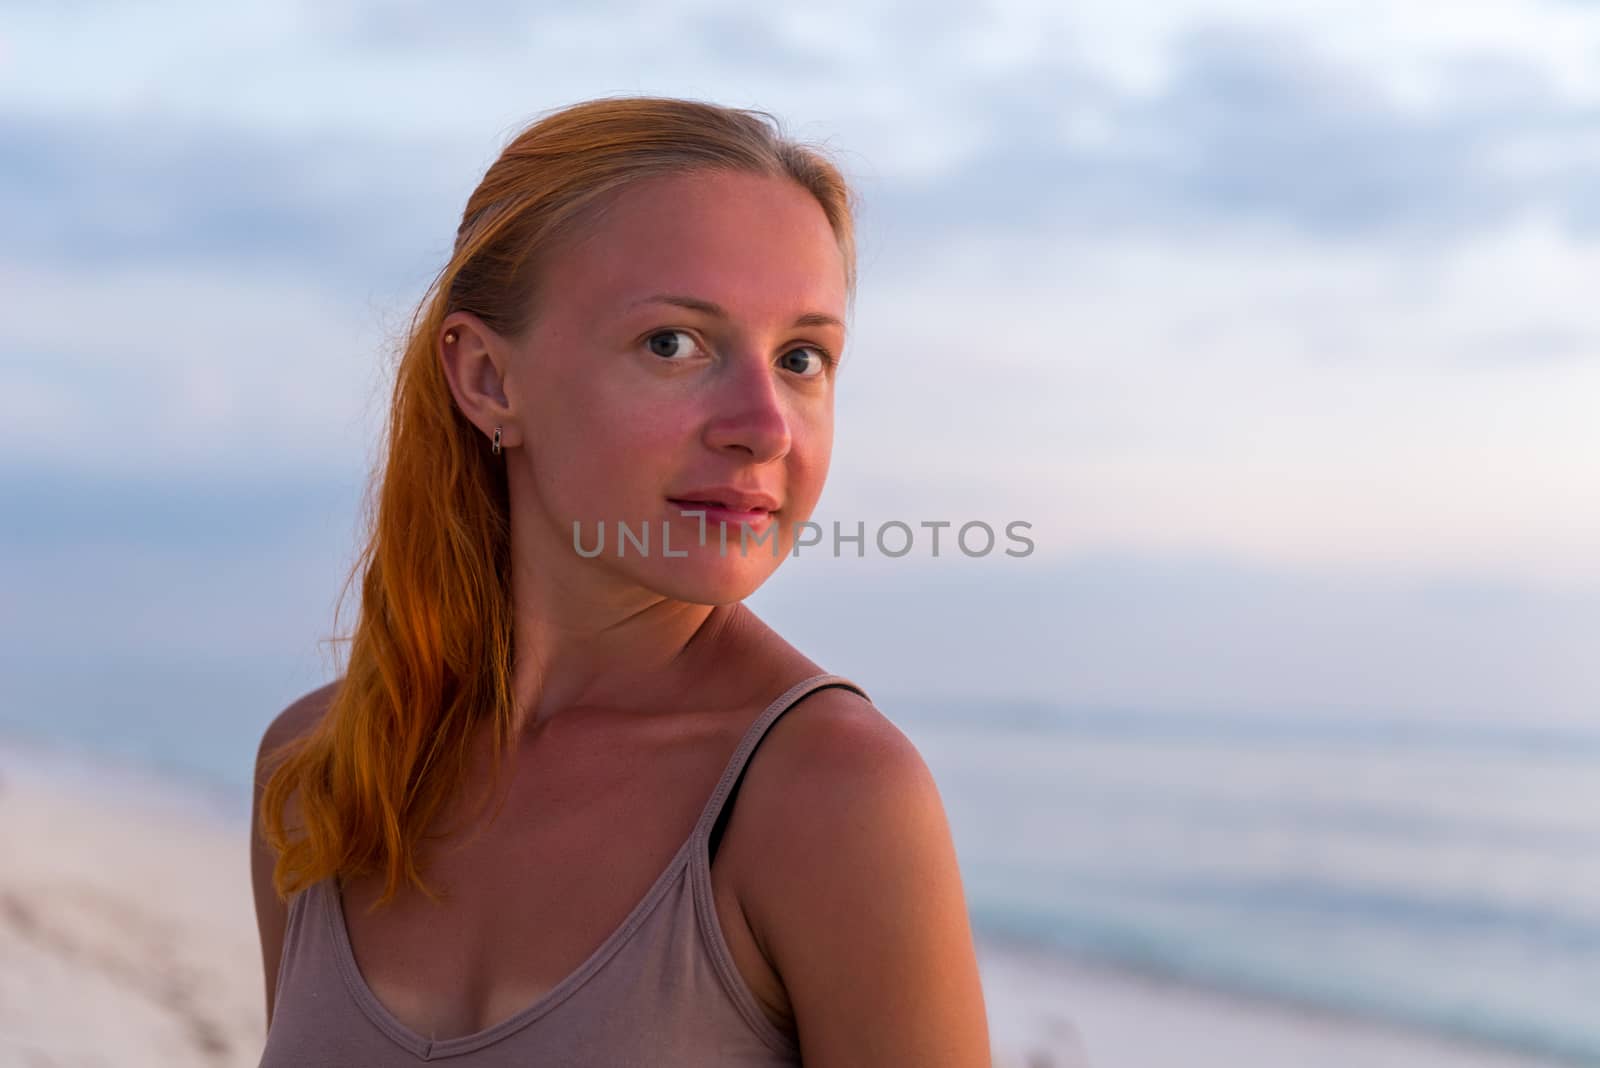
{"x":716,"y":513}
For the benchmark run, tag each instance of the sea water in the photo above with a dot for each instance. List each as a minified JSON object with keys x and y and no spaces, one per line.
{"x":1434,"y":874}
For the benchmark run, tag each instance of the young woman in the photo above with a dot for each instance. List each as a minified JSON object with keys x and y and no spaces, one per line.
{"x":636,"y":342}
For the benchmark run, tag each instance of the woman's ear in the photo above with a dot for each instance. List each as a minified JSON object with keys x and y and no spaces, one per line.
{"x":474,"y":359}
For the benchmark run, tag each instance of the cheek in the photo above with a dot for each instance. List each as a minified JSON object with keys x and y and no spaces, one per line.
{"x":645,"y":434}
{"x":628,"y":446}
{"x":810,"y":454}
{"x":589,"y":448}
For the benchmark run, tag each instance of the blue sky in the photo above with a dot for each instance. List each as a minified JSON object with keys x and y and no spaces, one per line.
{"x":1276,"y":324}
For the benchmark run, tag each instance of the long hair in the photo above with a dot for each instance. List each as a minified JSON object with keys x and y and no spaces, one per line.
{"x":430,"y":657}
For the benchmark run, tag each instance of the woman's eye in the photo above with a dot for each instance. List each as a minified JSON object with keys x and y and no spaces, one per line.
{"x":807,"y":361}
{"x":809,"y":369}
{"x":671,"y":349}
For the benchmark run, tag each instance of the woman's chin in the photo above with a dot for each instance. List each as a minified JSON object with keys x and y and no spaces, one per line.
{"x":710,"y":579}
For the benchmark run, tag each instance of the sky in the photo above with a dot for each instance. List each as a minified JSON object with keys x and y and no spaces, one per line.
{"x":1273,"y":322}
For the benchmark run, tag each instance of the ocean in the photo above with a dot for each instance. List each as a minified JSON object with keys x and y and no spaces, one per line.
{"x":1443,"y":876}
{"x":1437,"y":875}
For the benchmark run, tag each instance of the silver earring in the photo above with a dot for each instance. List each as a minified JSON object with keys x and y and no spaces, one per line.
{"x":496,"y":449}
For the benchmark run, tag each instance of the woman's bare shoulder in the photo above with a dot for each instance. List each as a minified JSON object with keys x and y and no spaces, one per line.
{"x":834,"y":736}
{"x":300,"y":716}
{"x":272,"y":912}
{"x":824,"y":754}
{"x":854,"y":891}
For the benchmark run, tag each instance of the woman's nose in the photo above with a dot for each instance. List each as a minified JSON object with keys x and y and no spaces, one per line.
{"x":748,"y":412}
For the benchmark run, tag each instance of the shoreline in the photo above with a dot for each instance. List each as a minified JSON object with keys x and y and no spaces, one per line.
{"x":126,"y":899}
{"x":1062,"y":1012}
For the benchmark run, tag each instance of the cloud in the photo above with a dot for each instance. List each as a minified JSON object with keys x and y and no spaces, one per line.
{"x":150,"y":191}
{"x":1199,"y":273}
{"x":127,"y":371}
{"x":1252,"y":124}
{"x":216,"y":516}
{"x":1257,"y":129}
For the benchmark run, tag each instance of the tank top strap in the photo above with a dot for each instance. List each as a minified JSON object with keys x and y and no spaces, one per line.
{"x":715,"y":816}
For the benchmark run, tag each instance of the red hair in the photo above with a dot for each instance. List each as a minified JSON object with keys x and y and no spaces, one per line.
{"x":430,"y":658}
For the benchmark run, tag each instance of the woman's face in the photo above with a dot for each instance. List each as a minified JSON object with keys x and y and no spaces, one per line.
{"x":682,"y":351}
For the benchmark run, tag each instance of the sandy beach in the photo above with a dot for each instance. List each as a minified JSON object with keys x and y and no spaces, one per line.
{"x":127,"y":938}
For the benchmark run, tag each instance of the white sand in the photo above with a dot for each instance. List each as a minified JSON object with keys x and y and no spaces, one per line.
{"x":1046,"y":1012}
{"x":127,"y":930}
{"x":127,"y":939}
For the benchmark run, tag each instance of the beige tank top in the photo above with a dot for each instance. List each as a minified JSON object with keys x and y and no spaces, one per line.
{"x":662,"y":990}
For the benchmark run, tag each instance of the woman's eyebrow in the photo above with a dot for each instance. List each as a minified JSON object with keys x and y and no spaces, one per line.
{"x":712,"y":308}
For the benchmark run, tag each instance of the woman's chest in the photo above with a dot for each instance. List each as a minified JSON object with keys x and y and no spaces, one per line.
{"x":531,"y":896}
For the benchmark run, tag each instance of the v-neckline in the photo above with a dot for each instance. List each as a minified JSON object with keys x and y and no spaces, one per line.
{"x":429,"y":1048}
